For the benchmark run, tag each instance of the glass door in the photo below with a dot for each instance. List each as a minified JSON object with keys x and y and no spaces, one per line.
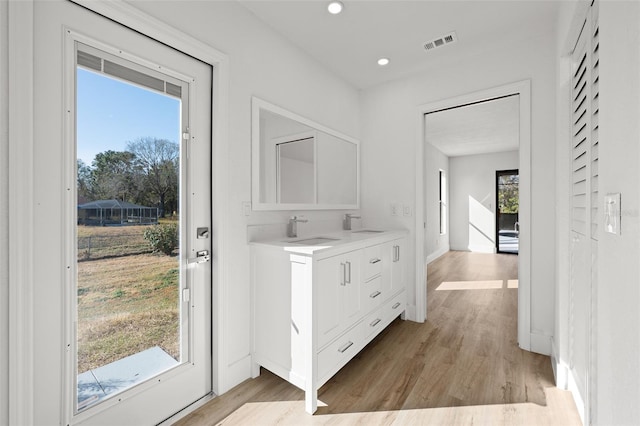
{"x":507,"y":208}
{"x":142,"y":308}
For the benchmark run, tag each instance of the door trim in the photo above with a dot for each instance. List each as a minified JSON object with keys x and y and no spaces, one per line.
{"x":21,"y":215}
{"x":21,"y":188}
{"x":522,"y":88}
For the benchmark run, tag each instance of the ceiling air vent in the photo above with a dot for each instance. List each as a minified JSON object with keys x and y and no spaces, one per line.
{"x":441,"y":41}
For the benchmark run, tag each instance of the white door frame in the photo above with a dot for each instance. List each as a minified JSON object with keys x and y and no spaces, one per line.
{"x":21,"y":188}
{"x":522,"y":88}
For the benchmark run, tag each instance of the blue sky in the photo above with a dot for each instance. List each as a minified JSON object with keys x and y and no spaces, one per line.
{"x":110,"y":113}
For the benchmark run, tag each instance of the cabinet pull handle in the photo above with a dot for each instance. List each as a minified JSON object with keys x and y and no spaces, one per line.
{"x":396,"y":253}
{"x":349,"y":273}
{"x":374,"y":294}
{"x":345,"y":347}
{"x":396,"y":305}
{"x":343,"y":273}
{"x":375,"y":322}
{"x":376,"y":260}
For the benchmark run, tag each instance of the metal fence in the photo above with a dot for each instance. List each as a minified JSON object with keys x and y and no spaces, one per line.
{"x":103,"y":246}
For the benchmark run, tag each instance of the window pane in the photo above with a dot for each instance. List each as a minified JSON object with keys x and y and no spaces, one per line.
{"x":128,"y":168}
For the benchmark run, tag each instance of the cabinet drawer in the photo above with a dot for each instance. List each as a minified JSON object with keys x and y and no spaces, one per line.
{"x":372,"y":294}
{"x":340,"y":351}
{"x":395,"y":306}
{"x":373,"y":260}
{"x":375,"y":323}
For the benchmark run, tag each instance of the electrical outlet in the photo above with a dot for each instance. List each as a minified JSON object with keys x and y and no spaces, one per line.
{"x":394,"y":209}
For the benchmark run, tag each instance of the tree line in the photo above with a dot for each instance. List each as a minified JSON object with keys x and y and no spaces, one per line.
{"x":145,"y":173}
{"x":508,"y":195}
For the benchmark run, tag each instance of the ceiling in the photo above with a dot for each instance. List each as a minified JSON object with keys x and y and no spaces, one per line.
{"x":350,"y":43}
{"x":481,"y":128}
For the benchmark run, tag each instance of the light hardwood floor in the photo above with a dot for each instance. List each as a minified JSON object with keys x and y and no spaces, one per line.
{"x":462,"y":366}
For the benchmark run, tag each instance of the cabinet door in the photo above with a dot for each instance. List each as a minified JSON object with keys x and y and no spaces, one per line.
{"x":338,"y":291}
{"x":351,"y":299}
{"x":329,"y":282}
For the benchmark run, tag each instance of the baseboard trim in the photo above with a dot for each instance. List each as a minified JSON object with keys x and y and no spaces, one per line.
{"x":554,"y":361}
{"x":540,"y":343}
{"x":410,"y":313}
{"x":237,"y":373}
{"x":560,"y":370}
{"x":436,"y":254}
{"x":481,"y":249}
{"x":572,"y":386}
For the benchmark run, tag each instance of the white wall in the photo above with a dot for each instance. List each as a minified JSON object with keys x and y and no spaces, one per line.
{"x":4,"y":221}
{"x":264,"y":64}
{"x":618,"y":295}
{"x":435,"y":244}
{"x":390,"y":129}
{"x":472,"y":200}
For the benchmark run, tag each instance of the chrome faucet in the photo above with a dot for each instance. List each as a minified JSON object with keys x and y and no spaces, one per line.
{"x":292,"y":227}
{"x":346,"y":223}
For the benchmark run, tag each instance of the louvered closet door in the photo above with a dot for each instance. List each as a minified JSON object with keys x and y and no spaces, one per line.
{"x":584,"y":207}
{"x":595,"y":199}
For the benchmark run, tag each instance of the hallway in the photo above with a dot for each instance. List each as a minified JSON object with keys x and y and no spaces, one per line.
{"x":462,"y":366}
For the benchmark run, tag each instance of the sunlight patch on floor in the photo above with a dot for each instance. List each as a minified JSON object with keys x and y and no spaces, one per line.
{"x":470,"y":285}
{"x":559,"y":409}
{"x":477,"y":285}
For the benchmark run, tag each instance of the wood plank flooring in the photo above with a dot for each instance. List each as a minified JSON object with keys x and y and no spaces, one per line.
{"x":462,"y":366}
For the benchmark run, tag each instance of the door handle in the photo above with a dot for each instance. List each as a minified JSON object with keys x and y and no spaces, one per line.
{"x":202,"y":256}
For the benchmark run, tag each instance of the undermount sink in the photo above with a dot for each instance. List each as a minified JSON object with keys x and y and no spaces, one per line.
{"x":313,"y":241}
{"x":366,"y":231}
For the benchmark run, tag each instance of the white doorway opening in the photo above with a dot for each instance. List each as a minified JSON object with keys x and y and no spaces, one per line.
{"x":523,"y":90}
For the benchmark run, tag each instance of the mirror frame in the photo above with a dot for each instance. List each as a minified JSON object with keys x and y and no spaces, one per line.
{"x":258,"y":104}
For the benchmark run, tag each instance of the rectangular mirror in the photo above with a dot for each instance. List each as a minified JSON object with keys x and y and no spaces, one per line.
{"x":298,"y":164}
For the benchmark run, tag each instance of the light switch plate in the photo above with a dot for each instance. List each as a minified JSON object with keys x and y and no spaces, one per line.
{"x":406,"y":210}
{"x":612,"y":213}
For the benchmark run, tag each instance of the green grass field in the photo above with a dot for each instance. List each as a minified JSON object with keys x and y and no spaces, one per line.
{"x":126,"y":304}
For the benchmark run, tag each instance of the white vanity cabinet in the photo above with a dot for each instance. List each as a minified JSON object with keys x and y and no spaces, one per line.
{"x":315,"y":307}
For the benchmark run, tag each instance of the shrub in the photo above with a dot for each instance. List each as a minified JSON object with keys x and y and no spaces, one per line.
{"x":162,"y":238}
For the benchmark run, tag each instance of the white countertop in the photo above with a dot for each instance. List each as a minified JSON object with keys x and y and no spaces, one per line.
{"x":340,"y":241}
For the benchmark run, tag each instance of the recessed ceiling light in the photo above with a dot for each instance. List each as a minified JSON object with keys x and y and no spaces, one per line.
{"x":335,"y":7}
{"x":383,"y":61}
